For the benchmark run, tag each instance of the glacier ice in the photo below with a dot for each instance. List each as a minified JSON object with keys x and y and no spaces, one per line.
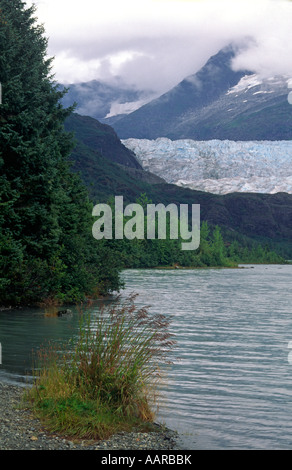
{"x":218,"y":166}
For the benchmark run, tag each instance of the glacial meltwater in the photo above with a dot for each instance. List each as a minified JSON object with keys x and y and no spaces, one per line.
{"x":230,"y":384}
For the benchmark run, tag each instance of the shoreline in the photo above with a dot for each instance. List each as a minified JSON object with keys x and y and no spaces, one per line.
{"x":194,"y":268}
{"x":20,"y":430}
{"x":5,"y":308}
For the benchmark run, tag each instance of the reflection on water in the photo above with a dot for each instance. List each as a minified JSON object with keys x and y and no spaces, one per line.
{"x":23,"y":332}
{"x":230,"y":386}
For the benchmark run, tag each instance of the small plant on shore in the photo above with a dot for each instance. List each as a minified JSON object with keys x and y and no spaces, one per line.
{"x":107,"y":379}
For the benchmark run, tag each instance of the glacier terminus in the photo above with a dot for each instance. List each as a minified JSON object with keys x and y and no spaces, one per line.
{"x":218,"y":166}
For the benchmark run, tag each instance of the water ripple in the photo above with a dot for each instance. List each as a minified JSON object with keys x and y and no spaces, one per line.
{"x":232,"y":384}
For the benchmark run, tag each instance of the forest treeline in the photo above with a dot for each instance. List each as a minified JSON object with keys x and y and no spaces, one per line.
{"x":47,"y":251}
{"x":213,"y":250}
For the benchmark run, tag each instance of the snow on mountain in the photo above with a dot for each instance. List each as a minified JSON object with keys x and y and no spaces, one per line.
{"x":216,"y":102}
{"x":218,"y":166}
{"x":105,"y":101}
{"x":245,"y":83}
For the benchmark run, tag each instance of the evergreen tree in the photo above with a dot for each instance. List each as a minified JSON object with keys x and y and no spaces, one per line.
{"x":218,"y":247}
{"x":46,"y":246}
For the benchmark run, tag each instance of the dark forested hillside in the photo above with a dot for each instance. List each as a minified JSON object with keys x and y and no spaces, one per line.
{"x":261,"y":217}
{"x":47,"y":252}
{"x":100,"y":138}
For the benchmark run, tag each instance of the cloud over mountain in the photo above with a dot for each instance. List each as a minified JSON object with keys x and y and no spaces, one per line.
{"x":159,"y":42}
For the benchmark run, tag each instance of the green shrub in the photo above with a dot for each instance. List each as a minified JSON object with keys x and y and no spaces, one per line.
{"x":107,"y":378}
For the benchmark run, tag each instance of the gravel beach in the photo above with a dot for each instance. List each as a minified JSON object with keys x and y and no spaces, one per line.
{"x":19,"y":430}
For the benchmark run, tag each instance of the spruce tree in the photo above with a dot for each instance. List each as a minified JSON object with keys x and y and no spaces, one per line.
{"x":46,"y":246}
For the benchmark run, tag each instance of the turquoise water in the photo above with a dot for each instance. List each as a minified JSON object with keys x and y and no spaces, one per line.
{"x":230,"y":386}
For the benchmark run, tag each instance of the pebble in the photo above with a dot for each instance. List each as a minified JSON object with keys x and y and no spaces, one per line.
{"x":20,"y":430}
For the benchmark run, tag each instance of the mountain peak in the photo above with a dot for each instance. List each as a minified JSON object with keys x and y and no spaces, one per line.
{"x":158,"y":118}
{"x":217,"y":102}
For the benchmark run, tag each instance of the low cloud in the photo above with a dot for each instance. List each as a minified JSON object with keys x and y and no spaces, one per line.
{"x":154,"y":44}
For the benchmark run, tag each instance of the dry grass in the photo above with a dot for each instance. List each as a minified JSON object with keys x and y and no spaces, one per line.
{"x":107,"y":379}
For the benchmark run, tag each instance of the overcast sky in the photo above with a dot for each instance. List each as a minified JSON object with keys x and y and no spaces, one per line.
{"x":154,"y":44}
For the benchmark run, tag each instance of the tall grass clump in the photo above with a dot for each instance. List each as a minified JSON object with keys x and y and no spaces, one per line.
{"x":107,"y":379}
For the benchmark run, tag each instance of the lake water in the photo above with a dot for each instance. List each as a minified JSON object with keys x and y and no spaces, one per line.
{"x":230,"y":386}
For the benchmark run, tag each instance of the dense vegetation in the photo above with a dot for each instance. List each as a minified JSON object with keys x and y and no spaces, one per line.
{"x":47,"y":252}
{"x":46,"y":247}
{"x":212,"y":252}
{"x":247,"y":218}
{"x":106,"y":380}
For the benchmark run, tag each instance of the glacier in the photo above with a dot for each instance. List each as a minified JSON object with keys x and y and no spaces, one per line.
{"x":218,"y":166}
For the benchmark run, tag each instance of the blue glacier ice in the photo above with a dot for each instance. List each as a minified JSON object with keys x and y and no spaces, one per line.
{"x":218,"y":166}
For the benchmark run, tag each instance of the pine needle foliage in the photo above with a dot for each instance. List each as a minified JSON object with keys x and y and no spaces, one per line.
{"x":46,"y":245}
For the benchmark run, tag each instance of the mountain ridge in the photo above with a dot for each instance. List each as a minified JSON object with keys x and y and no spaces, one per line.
{"x":103,"y":101}
{"x":260,"y":217}
{"x":102,"y":138}
{"x":214,"y":104}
